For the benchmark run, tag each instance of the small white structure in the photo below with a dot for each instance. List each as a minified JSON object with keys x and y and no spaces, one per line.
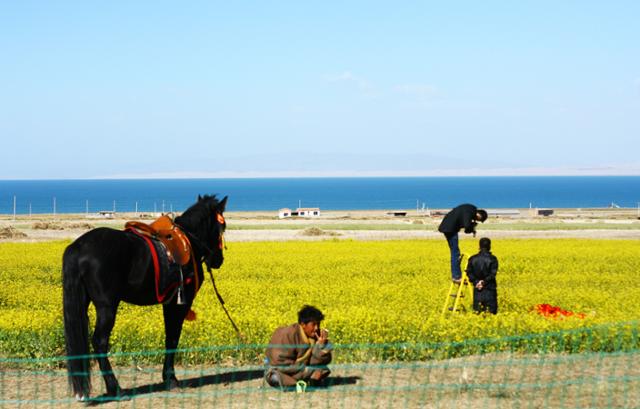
{"x":300,"y":211}
{"x":308,"y":211}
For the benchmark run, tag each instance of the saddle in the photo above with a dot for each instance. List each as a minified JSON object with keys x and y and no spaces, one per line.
{"x":170,"y":250}
{"x":163,"y":229}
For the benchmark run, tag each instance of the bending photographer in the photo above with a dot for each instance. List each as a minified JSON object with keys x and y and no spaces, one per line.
{"x":464,"y":216}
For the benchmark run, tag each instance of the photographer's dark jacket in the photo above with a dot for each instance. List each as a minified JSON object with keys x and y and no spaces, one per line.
{"x":462,"y":216}
{"x":483,"y":266}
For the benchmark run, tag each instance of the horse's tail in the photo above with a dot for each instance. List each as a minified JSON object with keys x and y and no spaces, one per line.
{"x":76,"y":325}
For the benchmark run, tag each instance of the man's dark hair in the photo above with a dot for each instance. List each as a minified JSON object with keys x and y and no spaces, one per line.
{"x":483,"y":215}
{"x":485,"y":243}
{"x":309,"y":313}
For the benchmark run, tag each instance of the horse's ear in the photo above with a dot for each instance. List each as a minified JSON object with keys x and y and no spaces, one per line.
{"x":222,"y":204}
{"x":199,"y":198}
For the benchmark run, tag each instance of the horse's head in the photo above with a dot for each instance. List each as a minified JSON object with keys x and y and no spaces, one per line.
{"x":205,"y":222}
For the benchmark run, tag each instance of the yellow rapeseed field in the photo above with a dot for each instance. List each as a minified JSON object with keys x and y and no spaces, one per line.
{"x":381,"y":292}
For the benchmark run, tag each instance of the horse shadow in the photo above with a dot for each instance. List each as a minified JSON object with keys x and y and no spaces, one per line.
{"x":196,"y":382}
{"x":217,"y":379}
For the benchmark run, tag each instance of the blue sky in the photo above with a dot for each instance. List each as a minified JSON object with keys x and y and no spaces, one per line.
{"x":197,"y":89}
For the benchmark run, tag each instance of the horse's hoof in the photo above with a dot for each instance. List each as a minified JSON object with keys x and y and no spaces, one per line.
{"x":117,"y":395}
{"x":82,"y":398}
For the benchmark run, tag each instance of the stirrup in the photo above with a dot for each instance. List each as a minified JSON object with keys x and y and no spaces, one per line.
{"x":180,"y":296}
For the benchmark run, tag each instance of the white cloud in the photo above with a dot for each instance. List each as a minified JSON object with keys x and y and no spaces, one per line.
{"x":361,"y":83}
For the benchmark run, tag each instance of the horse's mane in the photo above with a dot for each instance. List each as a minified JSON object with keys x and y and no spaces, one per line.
{"x":199,"y":211}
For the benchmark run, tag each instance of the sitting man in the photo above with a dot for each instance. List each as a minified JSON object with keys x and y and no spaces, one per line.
{"x":481,"y":270}
{"x":299,"y":352}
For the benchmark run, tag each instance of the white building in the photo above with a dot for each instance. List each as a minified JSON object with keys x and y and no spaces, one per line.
{"x":308,"y":211}
{"x":301,"y":211}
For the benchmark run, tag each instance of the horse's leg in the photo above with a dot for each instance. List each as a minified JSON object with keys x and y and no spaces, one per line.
{"x":105,"y":319}
{"x":173,"y":320}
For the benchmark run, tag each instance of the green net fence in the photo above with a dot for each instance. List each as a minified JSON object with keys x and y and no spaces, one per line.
{"x":596,"y":367}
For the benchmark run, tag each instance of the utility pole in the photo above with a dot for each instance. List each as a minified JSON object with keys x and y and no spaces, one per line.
{"x":87,"y":207}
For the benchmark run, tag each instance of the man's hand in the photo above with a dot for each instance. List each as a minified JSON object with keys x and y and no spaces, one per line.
{"x":480,"y":285}
{"x":324,"y":336}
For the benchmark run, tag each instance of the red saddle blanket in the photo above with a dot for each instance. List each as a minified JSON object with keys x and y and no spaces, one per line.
{"x":167,"y":273}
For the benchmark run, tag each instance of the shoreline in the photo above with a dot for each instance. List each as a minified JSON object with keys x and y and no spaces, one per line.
{"x":631,"y":212}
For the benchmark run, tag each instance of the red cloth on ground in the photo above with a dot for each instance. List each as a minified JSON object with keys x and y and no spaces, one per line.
{"x":556,"y":312}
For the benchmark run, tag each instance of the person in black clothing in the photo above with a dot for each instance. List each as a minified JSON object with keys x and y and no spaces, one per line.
{"x":481,"y":270}
{"x":464,"y":216}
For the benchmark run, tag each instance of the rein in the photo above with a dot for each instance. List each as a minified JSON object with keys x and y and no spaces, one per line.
{"x":222,"y":244}
{"x":235,"y":327}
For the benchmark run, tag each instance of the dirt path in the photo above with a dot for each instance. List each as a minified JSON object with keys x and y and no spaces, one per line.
{"x":486,"y":381}
{"x":284,"y":235}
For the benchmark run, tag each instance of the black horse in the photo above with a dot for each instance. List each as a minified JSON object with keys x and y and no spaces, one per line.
{"x":106,"y":266}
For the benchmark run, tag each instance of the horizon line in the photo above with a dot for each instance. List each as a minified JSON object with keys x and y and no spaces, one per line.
{"x":475,"y":172}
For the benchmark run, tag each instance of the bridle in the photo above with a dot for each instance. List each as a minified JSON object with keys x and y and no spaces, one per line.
{"x":200,"y":243}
